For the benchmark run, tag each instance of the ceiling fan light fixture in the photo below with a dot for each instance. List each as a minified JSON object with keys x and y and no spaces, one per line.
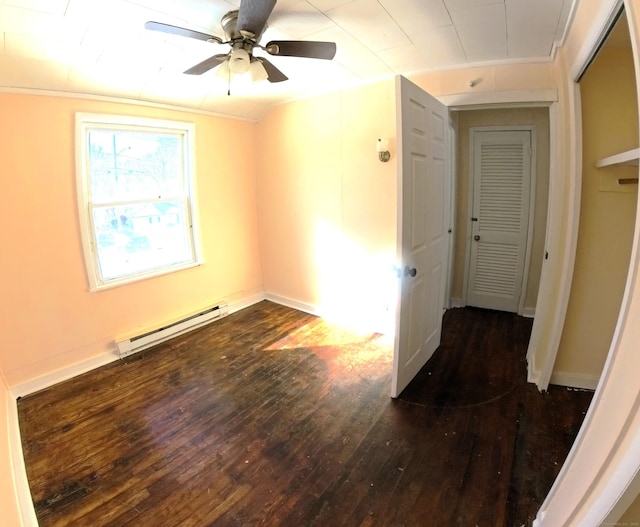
{"x":239,"y":61}
{"x":257,"y":71}
{"x":223,"y":71}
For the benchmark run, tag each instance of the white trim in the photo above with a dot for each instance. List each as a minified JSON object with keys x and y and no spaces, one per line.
{"x":121,"y":100}
{"x":528,"y":312}
{"x":559,"y":42}
{"x":478,"y":100}
{"x":468,"y":226}
{"x":533,"y":181}
{"x":84,"y":123}
{"x":242,"y":303}
{"x":64,"y":374}
{"x":20,"y":480}
{"x":453,"y":180}
{"x":626,"y":499}
{"x":293,"y":304}
{"x":574,"y":380}
{"x":604,"y":21}
{"x":547,"y":298}
{"x":457,"y":302}
{"x":569,"y":243}
{"x":482,"y":64}
{"x":533,"y":373}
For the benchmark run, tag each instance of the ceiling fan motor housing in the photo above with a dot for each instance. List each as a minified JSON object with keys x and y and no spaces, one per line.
{"x":229,"y":24}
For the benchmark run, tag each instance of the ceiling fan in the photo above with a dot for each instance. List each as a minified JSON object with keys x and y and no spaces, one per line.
{"x":243,"y":29}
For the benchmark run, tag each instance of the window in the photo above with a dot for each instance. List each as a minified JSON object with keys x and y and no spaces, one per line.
{"x":136,"y":197}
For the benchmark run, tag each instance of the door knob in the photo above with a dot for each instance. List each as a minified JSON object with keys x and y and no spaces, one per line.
{"x":476,"y":237}
{"x":410,"y":271}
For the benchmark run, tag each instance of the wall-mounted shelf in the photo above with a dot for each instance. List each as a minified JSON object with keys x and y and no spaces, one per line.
{"x":630,"y":157}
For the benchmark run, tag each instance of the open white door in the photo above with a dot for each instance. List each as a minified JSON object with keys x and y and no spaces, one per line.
{"x":423,"y":203}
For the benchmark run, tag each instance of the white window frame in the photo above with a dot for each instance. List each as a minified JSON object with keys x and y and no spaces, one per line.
{"x":86,"y":122}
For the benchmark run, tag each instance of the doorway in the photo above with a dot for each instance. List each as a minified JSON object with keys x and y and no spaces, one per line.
{"x":535,"y":118}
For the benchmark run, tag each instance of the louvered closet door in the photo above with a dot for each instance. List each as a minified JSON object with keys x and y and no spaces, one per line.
{"x":500,"y":218}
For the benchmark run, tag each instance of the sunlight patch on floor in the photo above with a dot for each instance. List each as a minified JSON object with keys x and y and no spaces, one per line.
{"x":349,"y":356}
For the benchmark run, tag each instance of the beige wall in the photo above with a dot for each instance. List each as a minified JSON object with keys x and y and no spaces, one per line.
{"x":607,"y":214}
{"x":538,"y":117}
{"x":328,"y":205}
{"x":49,"y":319}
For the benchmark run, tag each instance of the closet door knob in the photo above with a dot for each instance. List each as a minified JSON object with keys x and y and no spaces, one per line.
{"x":476,"y":237}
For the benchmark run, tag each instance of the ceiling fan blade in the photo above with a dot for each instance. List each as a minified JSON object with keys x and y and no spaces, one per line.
{"x":274,"y":74}
{"x":206,"y":65}
{"x":181,"y":32}
{"x":253,"y":15}
{"x":302,"y":48}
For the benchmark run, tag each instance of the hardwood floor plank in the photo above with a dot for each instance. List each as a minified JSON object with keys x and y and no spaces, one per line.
{"x":275,"y":417}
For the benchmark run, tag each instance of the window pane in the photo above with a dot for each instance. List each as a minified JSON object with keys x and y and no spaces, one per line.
{"x":135,"y":180}
{"x":142,"y":237}
{"x":130,"y":165}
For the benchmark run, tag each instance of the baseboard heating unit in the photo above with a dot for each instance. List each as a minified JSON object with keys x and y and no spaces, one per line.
{"x":151,"y":338}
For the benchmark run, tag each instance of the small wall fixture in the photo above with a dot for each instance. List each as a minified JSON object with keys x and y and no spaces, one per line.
{"x":382,"y":147}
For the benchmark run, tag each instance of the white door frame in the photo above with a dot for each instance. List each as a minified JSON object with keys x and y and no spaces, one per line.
{"x":532,"y":202}
{"x":453,"y":185}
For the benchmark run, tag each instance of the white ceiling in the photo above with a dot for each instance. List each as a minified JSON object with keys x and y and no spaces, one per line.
{"x":100,"y":47}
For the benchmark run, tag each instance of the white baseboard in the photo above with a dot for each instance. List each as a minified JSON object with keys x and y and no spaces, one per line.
{"x":574,"y":380}
{"x":456,"y":302}
{"x":23,"y":493}
{"x":533,"y":375}
{"x":528,"y":312}
{"x":242,"y":303}
{"x":45,"y":381}
{"x":294,"y":304}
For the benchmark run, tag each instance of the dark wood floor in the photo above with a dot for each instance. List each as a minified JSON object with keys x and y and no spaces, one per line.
{"x":274,"y":417}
